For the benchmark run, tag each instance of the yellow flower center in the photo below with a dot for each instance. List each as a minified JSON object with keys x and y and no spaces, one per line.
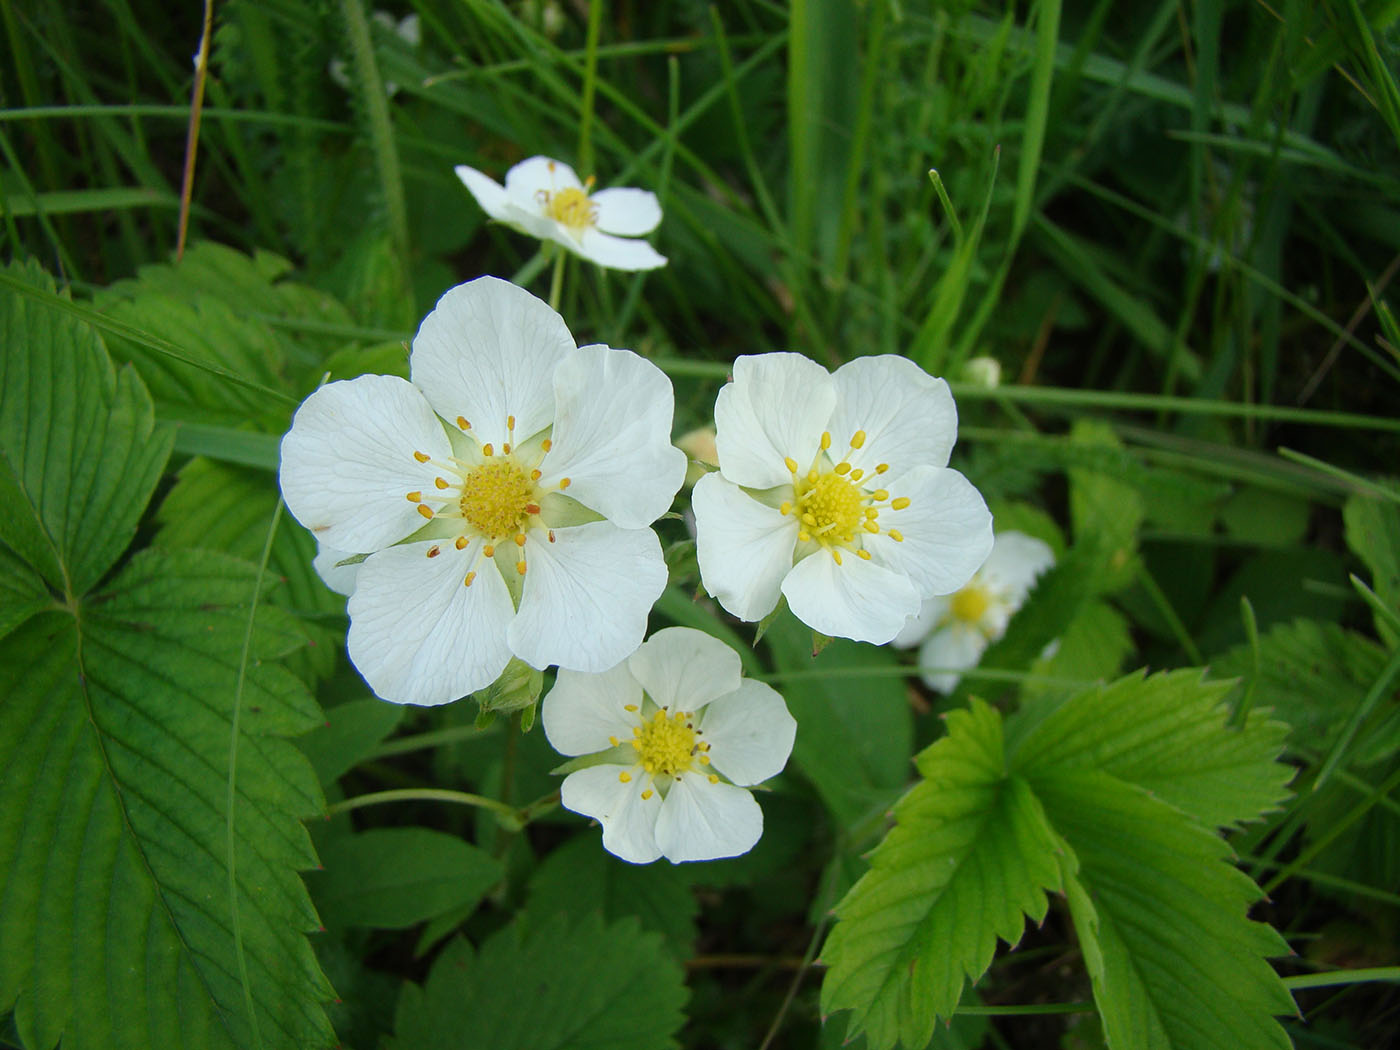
{"x":494,"y":498}
{"x":970,"y":604}
{"x":833,"y":505}
{"x":666,"y":744}
{"x":571,"y":207}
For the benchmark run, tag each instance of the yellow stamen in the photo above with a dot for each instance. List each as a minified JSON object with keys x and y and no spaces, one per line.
{"x":713,"y":779}
{"x":647,"y":794}
{"x":520,"y":567}
{"x":489,"y":551}
{"x":786,"y":508}
{"x":421,"y":457}
{"x":857,"y":474}
{"x":415,"y":497}
{"x":440,"y":482}
{"x":505,"y":449}
{"x":900,"y":503}
{"x":468,"y":581}
{"x":564,"y":483}
{"x":546,"y":444}
{"x":625,"y":777}
{"x":858,"y":439}
{"x":488,"y":450}
{"x":791,"y":464}
{"x":462,"y":542}
{"x":881,"y":468}
{"x":434,"y":551}
{"x":425,"y":511}
{"x":613,"y":741}
{"x":842,"y":468}
{"x":826,"y":440}
{"x":863,"y":554}
{"x":837,"y":556}
{"x":510,"y":422}
{"x":629,"y":707}
{"x":520,"y":539}
{"x":896,"y":535}
{"x":463,"y":424}
{"x":535,"y":476}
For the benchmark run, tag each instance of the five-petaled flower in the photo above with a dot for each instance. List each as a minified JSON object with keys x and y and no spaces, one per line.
{"x":545,"y":198}
{"x":503,"y":497}
{"x":676,"y":735}
{"x":956,"y":629}
{"x":833,"y":490}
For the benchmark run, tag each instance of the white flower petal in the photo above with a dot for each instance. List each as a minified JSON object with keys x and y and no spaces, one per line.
{"x":488,"y":351}
{"x":776,"y":408}
{"x":931,"y":613}
{"x":525,"y":181}
{"x":489,"y":193}
{"x":948,"y":652}
{"x":947,"y":531}
{"x":684,"y":669}
{"x":629,"y":821}
{"x":417,"y":634}
{"x":587,"y":595}
{"x":744,"y":547}
{"x":339,"y":578}
{"x":1016,"y":562}
{"x":616,"y":253}
{"x":750,"y":733}
{"x":856,"y":599}
{"x":704,"y":821}
{"x":908,"y":416}
{"x":626,"y":211}
{"x":612,"y":436}
{"x":584,"y":710}
{"x":347,"y":462}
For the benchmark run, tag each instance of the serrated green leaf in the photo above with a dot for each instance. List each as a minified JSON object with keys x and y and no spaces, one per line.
{"x":554,"y":985}
{"x":79,"y":449}
{"x":396,"y":877}
{"x":969,"y":857}
{"x":1314,"y":675}
{"x":1160,"y":913}
{"x":1165,"y":734}
{"x":580,"y":877}
{"x":22,"y":593}
{"x":115,"y":926}
{"x":1373,"y":534}
{"x":857,"y":730}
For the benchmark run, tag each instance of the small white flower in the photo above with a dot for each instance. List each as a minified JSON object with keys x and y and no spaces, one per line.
{"x":956,"y":629}
{"x":678,"y":735}
{"x":503,"y":497}
{"x":834,"y":490}
{"x":545,"y":199}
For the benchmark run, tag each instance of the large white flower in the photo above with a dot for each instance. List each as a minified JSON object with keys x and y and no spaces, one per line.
{"x":678,"y":735}
{"x":545,"y":198}
{"x":834,"y":490}
{"x":953,"y":631}
{"x":503,"y":497}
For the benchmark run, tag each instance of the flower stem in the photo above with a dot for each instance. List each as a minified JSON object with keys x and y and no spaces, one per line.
{"x":462,"y":798}
{"x":556,"y":284}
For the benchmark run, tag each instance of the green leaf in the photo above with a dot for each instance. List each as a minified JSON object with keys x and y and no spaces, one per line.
{"x":22,"y":593}
{"x":1164,"y":734}
{"x":580,"y":877}
{"x":351,"y":733}
{"x":79,"y":450}
{"x":857,"y":729}
{"x":1093,"y":645}
{"x":1160,"y":914}
{"x":547,"y":986}
{"x":1105,"y":511}
{"x":1373,"y":533}
{"x":114,"y":741}
{"x":396,"y":877}
{"x":969,"y":856}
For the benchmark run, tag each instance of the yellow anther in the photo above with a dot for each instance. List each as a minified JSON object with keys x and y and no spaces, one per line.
{"x":826,"y":440}
{"x":863,"y":554}
{"x":881,"y":468}
{"x":414,"y":497}
{"x":613,"y":741}
{"x":713,"y":779}
{"x":535,"y":474}
{"x":900,"y":503}
{"x":425,"y":511}
{"x":880,"y":495}
{"x":836,"y":556}
{"x":546,"y":444}
{"x":463,"y":424}
{"x":858,"y":439}
{"x":421,"y":457}
{"x":434,"y":551}
{"x":462,"y":542}
{"x":629,"y":707}
{"x":636,"y":730}
{"x":647,"y":794}
{"x":704,"y":759}
{"x":505,"y":449}
{"x":871,"y":513}
{"x":896,"y":535}
{"x":468,"y":581}
{"x":488,"y":450}
{"x":791,"y":464}
{"x":857,"y":474}
{"x":440,"y":482}
{"x":565,"y":483}
{"x":520,"y":539}
{"x":842,"y":468}
{"x":625,"y":777}
{"x":510,"y":422}
{"x":520,"y":567}
{"x":809,"y":518}
{"x":489,"y":551}
{"x":812,"y":475}
{"x":804,"y":536}
{"x":786,"y":508}
{"x":551,"y":535}
{"x":871,"y":527}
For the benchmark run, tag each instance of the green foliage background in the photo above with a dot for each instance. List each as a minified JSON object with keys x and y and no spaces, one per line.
{"x":1174,"y":226}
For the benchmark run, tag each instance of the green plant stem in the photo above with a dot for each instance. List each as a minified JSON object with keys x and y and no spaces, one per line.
{"x":1327,"y":980}
{"x":556,"y":282}
{"x":590,"y":81}
{"x":461,"y":798}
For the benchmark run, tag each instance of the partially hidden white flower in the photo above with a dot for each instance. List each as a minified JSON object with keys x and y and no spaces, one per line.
{"x":953,"y":631}
{"x":834,"y":491}
{"x":545,"y":198}
{"x":503,"y":497}
{"x":679,"y":735}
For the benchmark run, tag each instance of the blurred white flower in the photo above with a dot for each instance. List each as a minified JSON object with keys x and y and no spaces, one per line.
{"x":544,"y":198}
{"x":983,"y":371}
{"x":678,"y":736}
{"x":503,"y":497}
{"x":834,"y":490}
{"x":953,"y":631}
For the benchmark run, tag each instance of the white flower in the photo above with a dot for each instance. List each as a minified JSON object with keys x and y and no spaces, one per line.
{"x":678,"y":736}
{"x":833,"y":490}
{"x":955,"y":630}
{"x":545,"y":199}
{"x":520,"y":527}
